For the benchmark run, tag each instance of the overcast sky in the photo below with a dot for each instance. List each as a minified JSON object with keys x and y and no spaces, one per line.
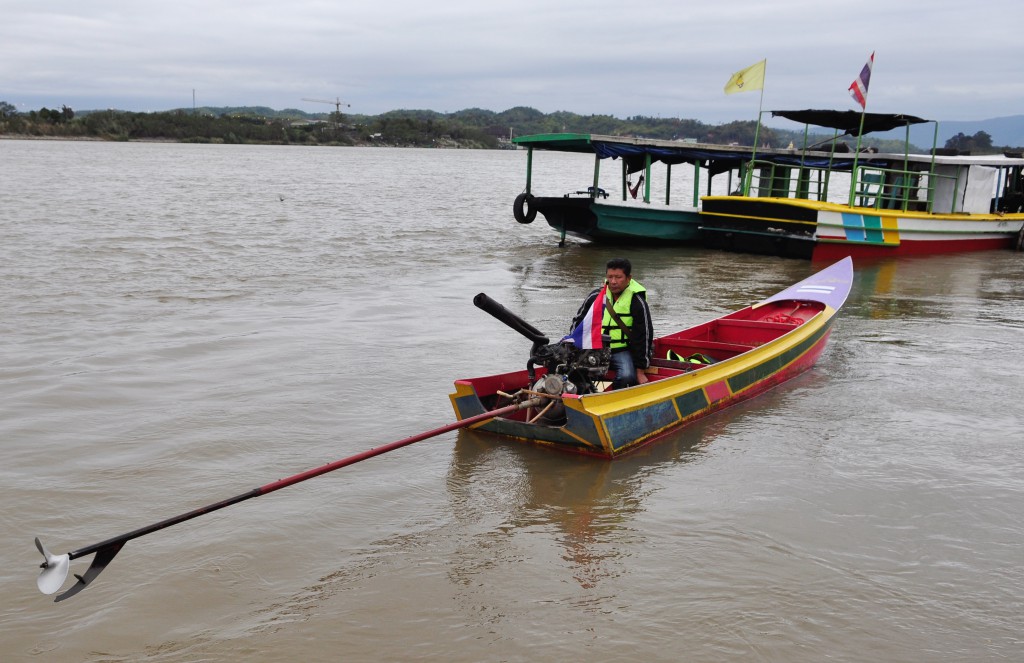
{"x":943,"y":60}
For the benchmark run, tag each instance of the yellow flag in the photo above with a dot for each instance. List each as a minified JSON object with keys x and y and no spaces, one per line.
{"x":751,"y":78}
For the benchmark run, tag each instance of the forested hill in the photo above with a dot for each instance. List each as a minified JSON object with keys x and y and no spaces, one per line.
{"x":473,"y":127}
{"x":519,"y":121}
{"x":406,"y":126}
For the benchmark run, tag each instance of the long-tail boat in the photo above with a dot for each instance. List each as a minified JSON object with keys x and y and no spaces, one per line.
{"x":695,"y":372}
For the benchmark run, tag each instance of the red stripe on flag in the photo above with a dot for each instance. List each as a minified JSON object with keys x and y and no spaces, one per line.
{"x":859,"y":87}
{"x":597,"y":313}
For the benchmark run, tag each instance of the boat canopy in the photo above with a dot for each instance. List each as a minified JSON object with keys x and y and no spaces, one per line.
{"x":635,"y":156}
{"x":635,"y":152}
{"x":849,"y":122}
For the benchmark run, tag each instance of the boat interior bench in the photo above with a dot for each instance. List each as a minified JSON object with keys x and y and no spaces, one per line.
{"x":686,"y":347}
{"x":729,"y":335}
{"x":752,"y":332}
{"x":718,"y":339}
{"x":674,"y":367}
{"x":665,"y":368}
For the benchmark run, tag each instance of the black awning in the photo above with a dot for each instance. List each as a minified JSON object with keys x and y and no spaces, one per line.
{"x":849,"y":121}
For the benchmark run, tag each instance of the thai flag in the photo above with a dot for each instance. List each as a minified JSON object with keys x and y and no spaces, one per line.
{"x":859,"y":87}
{"x":587,"y":334}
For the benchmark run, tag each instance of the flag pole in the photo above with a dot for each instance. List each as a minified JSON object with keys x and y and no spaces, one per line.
{"x":856,"y":154}
{"x":757,"y":132}
{"x":860,"y":130}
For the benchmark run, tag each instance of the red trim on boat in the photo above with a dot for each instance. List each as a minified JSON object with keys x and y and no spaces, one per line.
{"x":831,"y":251}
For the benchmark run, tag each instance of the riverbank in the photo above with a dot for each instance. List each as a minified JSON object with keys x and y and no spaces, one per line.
{"x":438,"y":144}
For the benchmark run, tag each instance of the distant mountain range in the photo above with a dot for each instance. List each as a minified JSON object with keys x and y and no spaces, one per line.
{"x":1005,"y":131}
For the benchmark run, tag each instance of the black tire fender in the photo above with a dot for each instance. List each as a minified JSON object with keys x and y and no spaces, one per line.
{"x":523,"y":208}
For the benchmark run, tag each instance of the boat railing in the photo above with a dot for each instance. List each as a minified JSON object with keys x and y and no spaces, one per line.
{"x":890,"y":189}
{"x":899,"y":189}
{"x":879,"y":188}
{"x":768,"y":179}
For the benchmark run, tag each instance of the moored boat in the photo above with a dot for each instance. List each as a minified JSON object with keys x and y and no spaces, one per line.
{"x":750,"y":351}
{"x":626,"y":212}
{"x":866,"y":205}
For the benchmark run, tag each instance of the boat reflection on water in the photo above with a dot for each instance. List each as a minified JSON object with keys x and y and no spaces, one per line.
{"x":505,"y":491}
{"x":931,"y":287}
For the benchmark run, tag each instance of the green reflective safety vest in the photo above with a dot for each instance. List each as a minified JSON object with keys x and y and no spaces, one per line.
{"x":621,"y":306}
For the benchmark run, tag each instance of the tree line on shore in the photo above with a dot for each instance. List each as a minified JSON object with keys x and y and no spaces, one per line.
{"x":470,"y":128}
{"x":413,"y":128}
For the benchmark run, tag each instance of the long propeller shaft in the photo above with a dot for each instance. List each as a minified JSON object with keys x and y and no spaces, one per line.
{"x":55,"y":567}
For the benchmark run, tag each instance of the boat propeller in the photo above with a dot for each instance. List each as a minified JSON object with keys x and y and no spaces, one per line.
{"x":55,"y":570}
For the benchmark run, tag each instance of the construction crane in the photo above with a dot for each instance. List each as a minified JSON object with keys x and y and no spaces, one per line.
{"x":338,"y":103}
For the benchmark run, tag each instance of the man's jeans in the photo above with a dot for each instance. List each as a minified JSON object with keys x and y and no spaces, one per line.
{"x":625,"y":370}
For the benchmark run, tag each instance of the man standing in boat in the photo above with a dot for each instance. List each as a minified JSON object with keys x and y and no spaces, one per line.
{"x":627,"y":321}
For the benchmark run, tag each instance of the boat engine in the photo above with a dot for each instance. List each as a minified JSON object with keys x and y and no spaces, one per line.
{"x":580,"y":368}
{"x":570,"y":370}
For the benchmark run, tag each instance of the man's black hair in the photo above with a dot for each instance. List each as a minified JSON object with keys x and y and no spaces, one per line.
{"x":620,"y":263}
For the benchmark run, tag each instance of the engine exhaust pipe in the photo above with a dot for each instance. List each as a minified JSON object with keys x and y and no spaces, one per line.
{"x":487,"y":304}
